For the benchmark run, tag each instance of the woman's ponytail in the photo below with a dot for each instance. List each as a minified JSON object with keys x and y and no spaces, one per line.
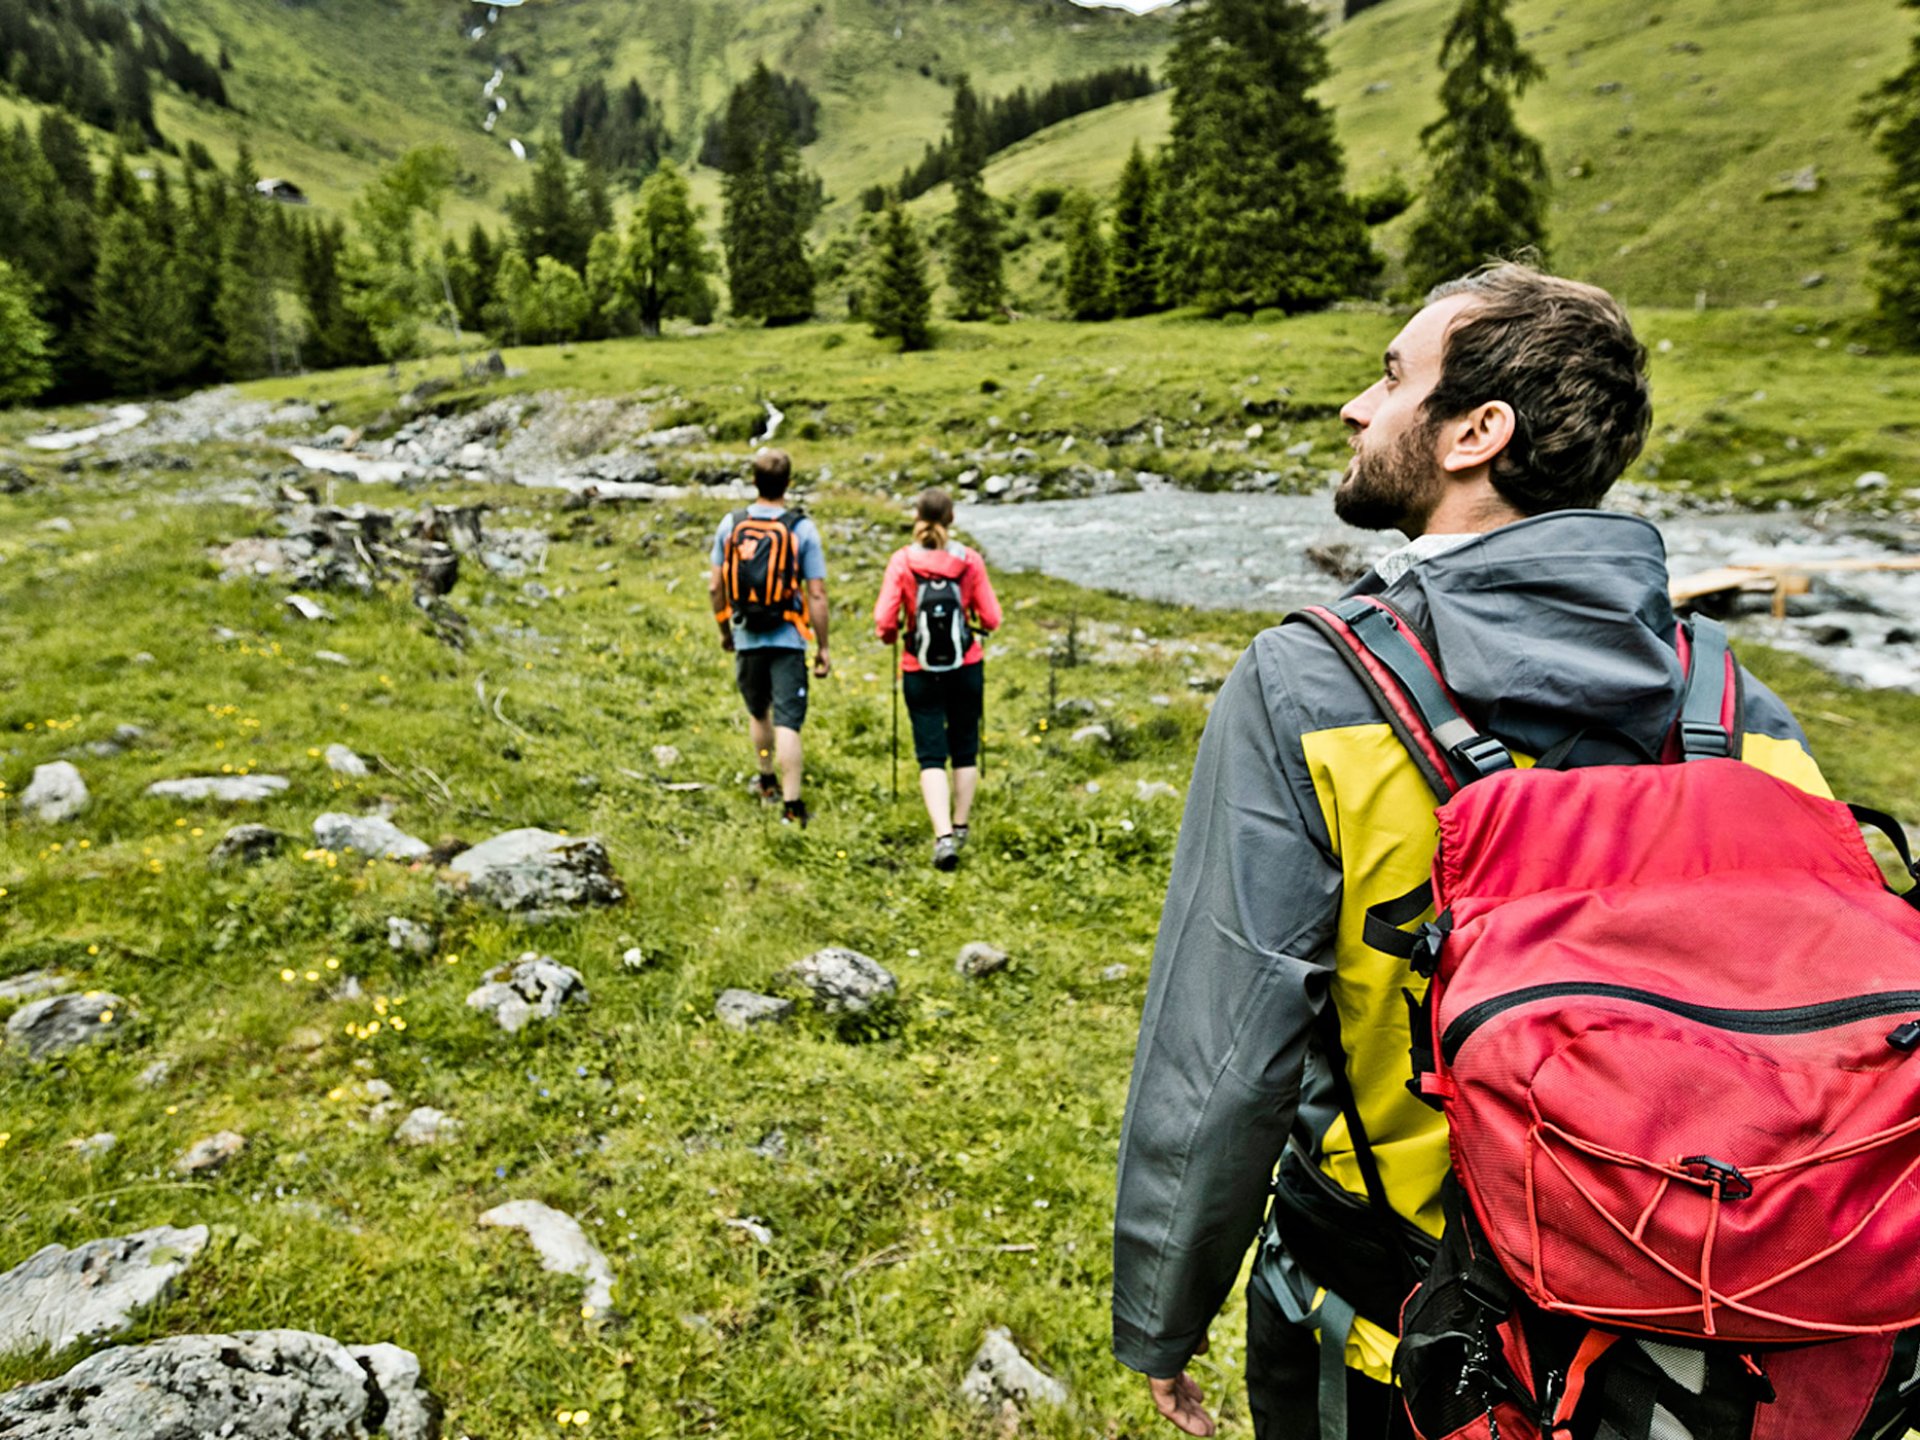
{"x":932,"y":519}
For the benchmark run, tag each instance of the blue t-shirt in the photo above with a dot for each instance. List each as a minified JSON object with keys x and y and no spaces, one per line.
{"x":813,"y":566}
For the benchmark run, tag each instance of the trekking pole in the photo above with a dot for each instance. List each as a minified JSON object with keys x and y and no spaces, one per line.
{"x":894,"y":654}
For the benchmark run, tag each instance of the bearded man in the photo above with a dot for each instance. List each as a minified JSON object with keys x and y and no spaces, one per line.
{"x":1505,"y":410}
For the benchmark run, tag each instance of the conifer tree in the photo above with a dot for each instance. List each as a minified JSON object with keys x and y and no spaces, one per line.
{"x":245,"y":312}
{"x":665,"y":265}
{"x":1089,"y":286}
{"x":1255,"y":200}
{"x":771,"y":199}
{"x":47,"y":232}
{"x":1892,"y":115}
{"x":139,"y":336}
{"x":1136,"y":251}
{"x":26,"y":354}
{"x":974,"y":249}
{"x":899,"y":299}
{"x":1487,"y":195}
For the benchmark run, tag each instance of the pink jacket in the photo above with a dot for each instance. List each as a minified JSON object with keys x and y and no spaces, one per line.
{"x":894,"y":608}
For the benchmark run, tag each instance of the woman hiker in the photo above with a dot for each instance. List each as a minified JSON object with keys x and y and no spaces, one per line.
{"x":937,"y":598}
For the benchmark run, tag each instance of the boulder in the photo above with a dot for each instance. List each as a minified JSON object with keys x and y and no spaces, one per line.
{"x":410,"y":937}
{"x":249,"y":1385}
{"x":743,"y":1009}
{"x":1094,"y":734}
{"x":563,"y":1248}
{"x":55,"y":793}
{"x":1154,"y":790}
{"x":342,"y":761}
{"x":370,"y":835}
{"x":532,"y":988}
{"x":841,"y":980}
{"x":62,"y":1023}
{"x":1000,"y":1373}
{"x":247,"y":845}
{"x":978,"y":958}
{"x":92,"y":1147}
{"x":31,"y":985}
{"x":426,"y":1126}
{"x":235,"y":789}
{"x":203,"y":1157}
{"x":57,"y":1296}
{"x":537,"y":873}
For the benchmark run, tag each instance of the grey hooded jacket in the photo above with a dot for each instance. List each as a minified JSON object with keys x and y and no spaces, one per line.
{"x":1539,"y":627}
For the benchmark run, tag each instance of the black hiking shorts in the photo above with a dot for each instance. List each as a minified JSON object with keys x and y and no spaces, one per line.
{"x":773,"y":678}
{"x":945,"y":709}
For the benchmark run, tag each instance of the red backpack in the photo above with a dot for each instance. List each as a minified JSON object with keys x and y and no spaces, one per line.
{"x":1670,"y":1016}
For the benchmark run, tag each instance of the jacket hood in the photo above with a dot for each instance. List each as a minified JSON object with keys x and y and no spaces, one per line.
{"x":1551,"y":623}
{"x":923,"y":561}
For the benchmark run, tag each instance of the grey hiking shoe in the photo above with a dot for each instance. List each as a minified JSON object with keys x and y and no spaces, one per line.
{"x":960,"y":836}
{"x":946,"y":853}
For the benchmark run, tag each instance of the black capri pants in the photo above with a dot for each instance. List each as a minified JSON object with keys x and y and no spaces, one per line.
{"x":944,"y":707}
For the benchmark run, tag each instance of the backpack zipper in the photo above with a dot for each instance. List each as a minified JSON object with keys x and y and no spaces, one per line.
{"x":1792,"y":1020}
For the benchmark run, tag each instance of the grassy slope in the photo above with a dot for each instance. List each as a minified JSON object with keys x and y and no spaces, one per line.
{"x":1672,"y":209}
{"x":914,"y":1151}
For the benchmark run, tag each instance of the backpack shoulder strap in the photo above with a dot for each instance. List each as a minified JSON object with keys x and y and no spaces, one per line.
{"x":1709,"y":723}
{"x":1391,"y":660}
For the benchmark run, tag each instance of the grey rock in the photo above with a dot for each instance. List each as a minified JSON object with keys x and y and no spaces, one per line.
{"x":1000,"y":1373}
{"x":771,"y":1146}
{"x":427,"y":1126}
{"x":1804,"y":181}
{"x":31,"y":985}
{"x":563,"y":1248}
{"x":410,"y":937}
{"x":249,"y":1385}
{"x":978,"y":958}
{"x":998,"y":484}
{"x":1114,"y":972}
{"x":666,"y":756}
{"x":56,"y":793}
{"x":332,"y":657}
{"x":247,"y":845}
{"x":342,"y":761}
{"x":1094,"y":734}
{"x":155,"y":1075}
{"x":57,"y":1296}
{"x":203,"y":1157}
{"x":1075,"y":705}
{"x":369,"y":835}
{"x":1872,"y":480}
{"x":235,"y":789}
{"x":743,"y":1009}
{"x":532,"y":988}
{"x":1154,"y":790}
{"x":92,"y":1147}
{"x":307,"y":609}
{"x":62,"y":1023}
{"x":840,"y":979}
{"x":538,"y":873}
{"x":1300,"y":451}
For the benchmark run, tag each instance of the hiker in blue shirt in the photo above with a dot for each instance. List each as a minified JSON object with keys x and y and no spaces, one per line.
{"x":768,"y":586}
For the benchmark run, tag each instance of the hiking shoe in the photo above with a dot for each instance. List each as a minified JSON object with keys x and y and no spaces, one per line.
{"x":946,"y":853}
{"x":794,"y":812}
{"x":765,"y":788}
{"x":960,"y":836}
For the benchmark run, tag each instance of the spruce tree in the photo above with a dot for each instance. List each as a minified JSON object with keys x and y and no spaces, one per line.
{"x":1487,"y":195}
{"x":664,"y":263}
{"x":771,"y":199}
{"x":974,"y":250}
{"x":1089,"y":288}
{"x":899,"y":299}
{"x":26,"y":352}
{"x":245,"y":311}
{"x":1136,"y":251}
{"x":1892,"y":115}
{"x":140,"y":335}
{"x":1255,"y":200}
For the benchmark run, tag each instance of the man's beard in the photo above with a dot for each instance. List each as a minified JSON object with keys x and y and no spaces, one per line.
{"x":1385,"y":491}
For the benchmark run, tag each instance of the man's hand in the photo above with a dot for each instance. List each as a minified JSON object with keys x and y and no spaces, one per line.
{"x":726,"y":638}
{"x":822,"y":665}
{"x":1180,"y":1401}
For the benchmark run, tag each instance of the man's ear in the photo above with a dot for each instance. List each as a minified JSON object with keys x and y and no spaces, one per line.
{"x":1477,"y":437}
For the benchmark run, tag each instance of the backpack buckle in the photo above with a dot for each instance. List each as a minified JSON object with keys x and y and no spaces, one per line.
{"x":1484,"y":755}
{"x":1704,"y":740}
{"x":1723,"y":1177}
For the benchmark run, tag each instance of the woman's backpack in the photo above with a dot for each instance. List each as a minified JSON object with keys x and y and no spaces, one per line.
{"x":941,"y":634}
{"x":1670,"y":1013}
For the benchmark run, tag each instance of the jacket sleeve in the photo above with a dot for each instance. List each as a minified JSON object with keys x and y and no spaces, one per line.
{"x":986,"y":605}
{"x":1239,"y":972}
{"x":886,"y":610}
